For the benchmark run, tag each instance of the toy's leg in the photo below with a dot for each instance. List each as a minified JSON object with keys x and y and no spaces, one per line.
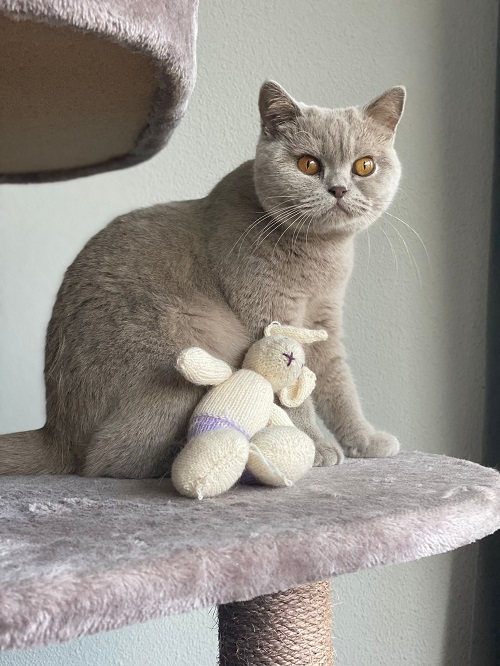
{"x":210,"y":463}
{"x":283,"y":455}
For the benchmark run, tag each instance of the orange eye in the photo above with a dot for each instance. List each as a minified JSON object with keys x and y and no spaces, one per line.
{"x":364,"y":166}
{"x":309,"y":165}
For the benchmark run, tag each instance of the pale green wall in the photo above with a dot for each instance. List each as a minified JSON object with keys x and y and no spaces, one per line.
{"x":417,"y":350}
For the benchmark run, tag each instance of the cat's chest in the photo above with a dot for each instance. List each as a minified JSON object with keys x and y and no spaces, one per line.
{"x":289,"y":290}
{"x":308,"y":274}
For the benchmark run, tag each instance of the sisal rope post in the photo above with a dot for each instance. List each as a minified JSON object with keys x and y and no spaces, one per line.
{"x":292,"y":628}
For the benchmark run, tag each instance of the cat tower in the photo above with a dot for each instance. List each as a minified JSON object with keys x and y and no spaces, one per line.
{"x":94,"y":85}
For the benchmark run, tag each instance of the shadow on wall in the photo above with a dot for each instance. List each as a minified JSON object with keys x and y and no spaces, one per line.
{"x":485,"y":647}
{"x":466,"y":122}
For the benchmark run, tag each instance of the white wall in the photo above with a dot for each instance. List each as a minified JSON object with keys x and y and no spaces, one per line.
{"x":417,"y":350}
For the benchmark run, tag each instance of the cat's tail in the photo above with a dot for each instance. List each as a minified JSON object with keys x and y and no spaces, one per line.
{"x":31,"y":452}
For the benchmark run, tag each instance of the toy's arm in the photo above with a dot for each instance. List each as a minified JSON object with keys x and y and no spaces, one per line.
{"x":200,"y":367}
{"x":279,"y":417}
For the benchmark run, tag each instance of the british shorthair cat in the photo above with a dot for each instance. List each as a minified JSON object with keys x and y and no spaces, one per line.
{"x":272,"y":241}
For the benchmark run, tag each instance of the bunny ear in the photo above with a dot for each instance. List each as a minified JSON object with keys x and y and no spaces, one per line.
{"x":274,"y":328}
{"x":293,"y":396}
{"x":300,"y":334}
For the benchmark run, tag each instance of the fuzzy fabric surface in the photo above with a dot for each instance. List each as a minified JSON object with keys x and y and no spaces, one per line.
{"x":83,"y":555}
{"x":163,"y":31}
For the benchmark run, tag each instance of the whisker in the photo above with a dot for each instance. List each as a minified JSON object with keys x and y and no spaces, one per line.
{"x":276,"y":210}
{"x":393,"y":253}
{"x":310,"y":219}
{"x":284,"y":232}
{"x":296,"y":232}
{"x":273,"y":225}
{"x":269,"y":213}
{"x":280,"y":196}
{"x":299,"y":208}
{"x":294,"y":221}
{"x":295,"y":237}
{"x":270,"y":227}
{"x":416,"y":234}
{"x":308,"y":226}
{"x":406,"y":194}
{"x":243,"y":235}
{"x":410,"y":256}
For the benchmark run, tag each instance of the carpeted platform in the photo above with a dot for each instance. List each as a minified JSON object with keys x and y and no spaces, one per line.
{"x":78,"y":555}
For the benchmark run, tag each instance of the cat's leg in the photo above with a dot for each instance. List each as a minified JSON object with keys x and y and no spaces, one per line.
{"x":210,"y":463}
{"x":337,"y":402}
{"x":141,"y":438}
{"x":328,"y":451}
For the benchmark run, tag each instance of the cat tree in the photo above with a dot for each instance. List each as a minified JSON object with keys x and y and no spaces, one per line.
{"x":101,"y":84}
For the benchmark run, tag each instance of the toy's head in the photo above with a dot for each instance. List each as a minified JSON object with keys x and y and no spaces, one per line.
{"x":279,"y":358}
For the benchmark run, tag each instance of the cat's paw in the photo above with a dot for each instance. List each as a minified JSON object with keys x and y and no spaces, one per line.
{"x":328,"y":452}
{"x":372,"y":445}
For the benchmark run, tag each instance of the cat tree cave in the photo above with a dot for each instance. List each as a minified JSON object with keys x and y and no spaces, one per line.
{"x":91,"y":86}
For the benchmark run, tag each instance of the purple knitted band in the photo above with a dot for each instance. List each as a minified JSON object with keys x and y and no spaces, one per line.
{"x":205,"y":423}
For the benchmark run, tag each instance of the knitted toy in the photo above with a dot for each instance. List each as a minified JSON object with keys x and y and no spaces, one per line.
{"x":237,"y":425}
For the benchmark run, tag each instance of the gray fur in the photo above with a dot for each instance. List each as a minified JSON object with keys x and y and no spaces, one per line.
{"x":268,"y":243}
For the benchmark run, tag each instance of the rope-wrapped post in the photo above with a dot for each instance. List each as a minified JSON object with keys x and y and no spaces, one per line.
{"x":292,"y":628}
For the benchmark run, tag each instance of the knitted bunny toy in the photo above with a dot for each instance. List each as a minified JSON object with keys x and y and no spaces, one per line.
{"x":237,"y":425}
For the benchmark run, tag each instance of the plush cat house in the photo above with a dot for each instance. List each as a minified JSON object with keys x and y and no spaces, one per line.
{"x":90,"y":85}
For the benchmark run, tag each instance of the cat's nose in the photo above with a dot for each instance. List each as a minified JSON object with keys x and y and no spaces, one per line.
{"x":338,"y":191}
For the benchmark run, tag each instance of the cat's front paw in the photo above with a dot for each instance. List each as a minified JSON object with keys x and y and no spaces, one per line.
{"x":328,"y":452}
{"x":372,"y":445}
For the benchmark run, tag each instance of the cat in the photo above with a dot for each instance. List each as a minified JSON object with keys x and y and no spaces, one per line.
{"x":272,"y":241}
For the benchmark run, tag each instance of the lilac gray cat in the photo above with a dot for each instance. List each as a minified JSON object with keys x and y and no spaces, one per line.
{"x":272,"y":241}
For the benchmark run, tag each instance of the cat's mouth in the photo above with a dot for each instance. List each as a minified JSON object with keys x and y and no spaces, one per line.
{"x":348,"y":208}
{"x":343,"y":206}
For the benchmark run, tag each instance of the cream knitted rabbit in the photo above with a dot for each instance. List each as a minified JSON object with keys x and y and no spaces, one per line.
{"x":236,"y":425}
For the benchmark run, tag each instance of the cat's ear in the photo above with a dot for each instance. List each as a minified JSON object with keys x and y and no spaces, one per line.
{"x":276,"y":108}
{"x":387,"y":109}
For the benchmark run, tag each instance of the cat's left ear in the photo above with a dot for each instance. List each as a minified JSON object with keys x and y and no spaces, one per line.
{"x":276,"y":108}
{"x":387,"y":109}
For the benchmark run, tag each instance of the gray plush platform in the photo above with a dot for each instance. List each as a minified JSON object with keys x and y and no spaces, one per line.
{"x":78,"y":555}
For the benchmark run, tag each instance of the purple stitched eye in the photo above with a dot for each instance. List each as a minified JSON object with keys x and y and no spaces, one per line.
{"x":290,"y":357}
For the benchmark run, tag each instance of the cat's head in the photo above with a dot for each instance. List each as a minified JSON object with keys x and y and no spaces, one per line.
{"x":325,"y":170}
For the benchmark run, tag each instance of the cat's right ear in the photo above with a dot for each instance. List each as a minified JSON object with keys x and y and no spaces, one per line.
{"x":276,"y":108}
{"x":386,"y":110}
